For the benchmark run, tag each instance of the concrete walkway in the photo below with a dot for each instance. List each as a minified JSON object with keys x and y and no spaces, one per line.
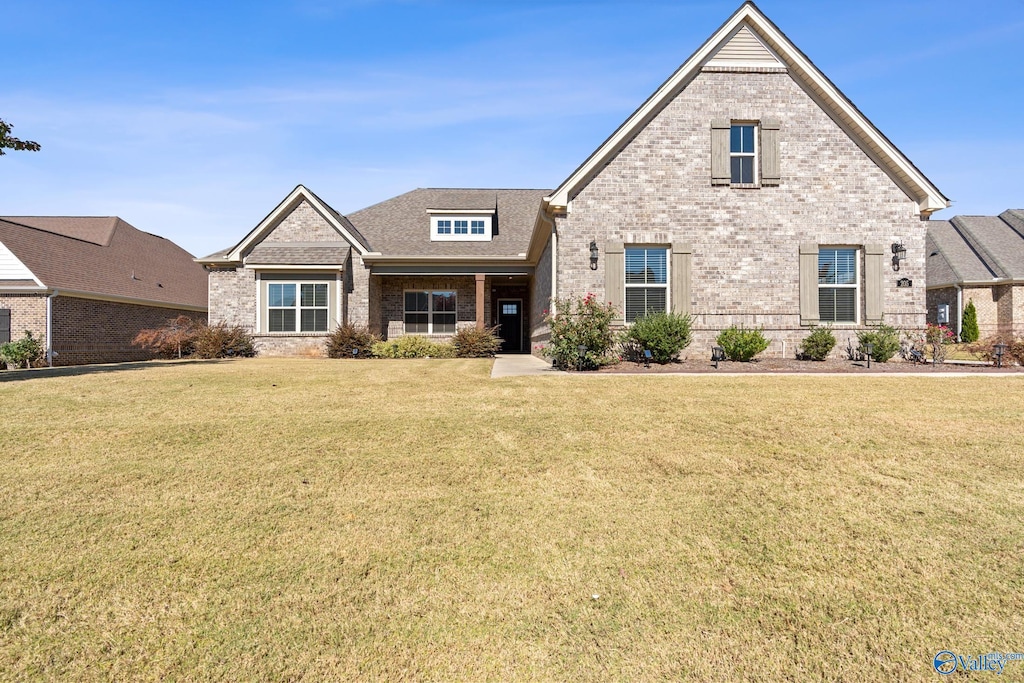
{"x":515,"y":364}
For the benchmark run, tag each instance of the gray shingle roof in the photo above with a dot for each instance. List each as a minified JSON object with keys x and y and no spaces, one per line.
{"x":299,"y":253}
{"x":976,"y":249}
{"x":401,"y":226}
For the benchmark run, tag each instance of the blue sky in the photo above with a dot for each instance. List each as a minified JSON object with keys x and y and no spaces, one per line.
{"x":192,"y":120}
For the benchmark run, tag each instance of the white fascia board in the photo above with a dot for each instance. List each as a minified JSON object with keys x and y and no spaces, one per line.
{"x":275,"y":216}
{"x":380,"y":259}
{"x":928,"y":197}
{"x":284,"y":266}
{"x":468,"y":212}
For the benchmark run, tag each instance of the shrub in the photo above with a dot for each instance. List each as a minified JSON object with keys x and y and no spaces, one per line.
{"x":741,"y":344}
{"x":969,"y":332}
{"x":469,"y":342}
{"x":581,"y":321}
{"x":937,"y":337}
{"x":175,"y":339}
{"x":986,"y":348}
{"x":341,"y":342}
{"x":818,"y":344}
{"x":413,"y":346}
{"x":223,"y":341}
{"x":665,"y":335}
{"x":24,"y":351}
{"x":886,"y":341}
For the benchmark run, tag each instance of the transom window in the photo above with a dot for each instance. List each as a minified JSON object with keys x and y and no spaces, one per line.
{"x":461,"y":227}
{"x":297,"y":307}
{"x":476,"y":227}
{"x":429,"y":312}
{"x":837,"y":284}
{"x":444,"y":227}
{"x":458,"y":225}
{"x":646,"y":281}
{"x":742,"y":154}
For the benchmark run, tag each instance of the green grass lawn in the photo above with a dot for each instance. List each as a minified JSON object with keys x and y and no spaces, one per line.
{"x":288,"y":519}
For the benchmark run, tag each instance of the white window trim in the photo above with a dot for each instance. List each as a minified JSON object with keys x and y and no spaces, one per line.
{"x":298,"y":307}
{"x":755,"y":154}
{"x":856,"y":286}
{"x":668,"y":276}
{"x":463,"y":216}
{"x":430,"y":309}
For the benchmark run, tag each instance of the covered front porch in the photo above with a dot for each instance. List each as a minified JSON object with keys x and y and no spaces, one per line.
{"x":437,"y":304}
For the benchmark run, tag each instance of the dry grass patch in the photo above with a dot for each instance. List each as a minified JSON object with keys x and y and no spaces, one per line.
{"x":281,"y":519}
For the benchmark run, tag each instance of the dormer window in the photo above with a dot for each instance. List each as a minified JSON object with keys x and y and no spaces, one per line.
{"x":449,"y":225}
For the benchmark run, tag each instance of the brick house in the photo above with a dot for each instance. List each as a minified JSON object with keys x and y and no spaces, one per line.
{"x":747,"y":190}
{"x":85,"y":286}
{"x":979,"y":259}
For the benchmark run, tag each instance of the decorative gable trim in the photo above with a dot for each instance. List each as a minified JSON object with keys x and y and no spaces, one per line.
{"x":295,"y":198}
{"x":818,"y":86}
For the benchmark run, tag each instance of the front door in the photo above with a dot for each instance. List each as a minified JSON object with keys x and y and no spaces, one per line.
{"x":510,"y":321}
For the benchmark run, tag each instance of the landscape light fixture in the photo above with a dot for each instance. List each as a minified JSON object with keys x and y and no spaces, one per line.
{"x":717,"y":355}
{"x":647,"y":358}
{"x":999,"y":350}
{"x":582,"y":354}
{"x":899,"y":253}
{"x":355,"y":353}
{"x":869,"y":349}
{"x":593,"y":255}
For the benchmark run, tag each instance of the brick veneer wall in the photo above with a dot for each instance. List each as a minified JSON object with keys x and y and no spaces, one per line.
{"x":28,"y":312}
{"x":91,"y":331}
{"x":303,"y":224}
{"x":392,"y":290}
{"x":945,"y":295}
{"x":540,"y":332}
{"x":745,"y":241}
{"x":233,"y":297}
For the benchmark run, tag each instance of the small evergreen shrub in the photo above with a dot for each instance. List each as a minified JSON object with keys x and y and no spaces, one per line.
{"x":470,"y":342}
{"x":886,"y":340}
{"x":223,"y":341}
{"x":741,"y":344}
{"x":412,"y":346}
{"x":818,"y":344}
{"x":24,"y":351}
{"x":969,"y":332}
{"x":174,"y":339}
{"x":665,"y":335}
{"x":347,"y":337}
{"x":581,"y":321}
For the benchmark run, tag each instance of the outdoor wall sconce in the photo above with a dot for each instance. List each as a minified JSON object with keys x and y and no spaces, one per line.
{"x":717,"y":355}
{"x":899,"y":253}
{"x":999,"y":350}
{"x":593,"y":255}
{"x":869,"y":349}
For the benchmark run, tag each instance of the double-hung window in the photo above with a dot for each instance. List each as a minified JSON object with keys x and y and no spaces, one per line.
{"x":646,"y":281}
{"x":838,"y":291}
{"x":429,"y":312}
{"x":742,"y":153}
{"x":297,"y":307}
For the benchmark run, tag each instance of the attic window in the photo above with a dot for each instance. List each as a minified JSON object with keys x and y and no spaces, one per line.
{"x":461,"y":226}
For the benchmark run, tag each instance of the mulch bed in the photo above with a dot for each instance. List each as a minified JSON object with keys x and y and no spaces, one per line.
{"x":793,"y":366}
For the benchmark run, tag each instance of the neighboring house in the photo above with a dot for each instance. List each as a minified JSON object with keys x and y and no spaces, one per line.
{"x":980,"y":259}
{"x":748,"y":190}
{"x":86,"y":286}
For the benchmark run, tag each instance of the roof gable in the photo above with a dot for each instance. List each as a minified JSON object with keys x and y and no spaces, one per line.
{"x":275,"y":218}
{"x":750,"y":39}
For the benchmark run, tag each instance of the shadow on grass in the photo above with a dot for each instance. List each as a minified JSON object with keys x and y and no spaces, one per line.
{"x":76,"y":370}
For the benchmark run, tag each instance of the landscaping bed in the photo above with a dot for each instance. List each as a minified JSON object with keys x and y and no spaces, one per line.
{"x":791,"y":365}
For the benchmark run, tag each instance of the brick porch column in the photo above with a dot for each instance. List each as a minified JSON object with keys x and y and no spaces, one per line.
{"x":480,"y":278}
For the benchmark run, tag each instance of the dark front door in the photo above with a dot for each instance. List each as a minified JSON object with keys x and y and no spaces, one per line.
{"x":510,"y":321}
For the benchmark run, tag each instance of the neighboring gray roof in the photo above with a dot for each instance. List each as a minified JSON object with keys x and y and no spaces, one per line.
{"x":299,"y":253}
{"x":976,"y":249}
{"x":401,"y":226}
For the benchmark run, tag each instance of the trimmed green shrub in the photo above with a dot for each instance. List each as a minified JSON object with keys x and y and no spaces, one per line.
{"x":24,"y":351}
{"x":469,"y":342}
{"x":665,"y":335}
{"x":223,"y":341}
{"x":818,"y":344}
{"x":969,"y":332}
{"x":886,"y":340}
{"x":741,"y":344}
{"x":413,"y":346}
{"x":581,"y":321}
{"x":347,"y":337}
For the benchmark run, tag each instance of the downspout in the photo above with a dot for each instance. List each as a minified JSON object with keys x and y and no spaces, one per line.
{"x":49,"y":327}
{"x":959,"y":312}
{"x":554,"y":268}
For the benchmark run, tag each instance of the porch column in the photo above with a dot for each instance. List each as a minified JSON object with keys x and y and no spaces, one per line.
{"x":480,"y":278}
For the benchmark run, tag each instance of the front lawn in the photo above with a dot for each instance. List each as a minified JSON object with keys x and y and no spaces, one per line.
{"x":282,"y":519}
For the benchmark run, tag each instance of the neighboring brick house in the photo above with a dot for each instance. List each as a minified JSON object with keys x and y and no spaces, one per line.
{"x":85,"y":286}
{"x":979,"y":259}
{"x":748,"y":190}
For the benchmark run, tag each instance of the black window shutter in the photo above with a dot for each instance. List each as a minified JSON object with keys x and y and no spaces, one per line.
{"x":5,"y":325}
